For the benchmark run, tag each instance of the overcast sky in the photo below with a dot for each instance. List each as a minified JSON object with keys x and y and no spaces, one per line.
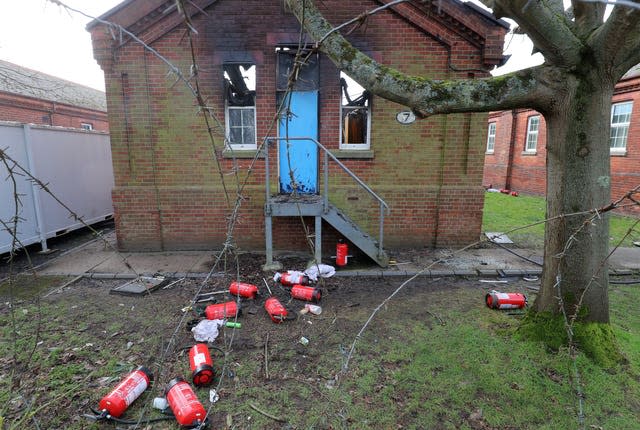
{"x":43,"y":36}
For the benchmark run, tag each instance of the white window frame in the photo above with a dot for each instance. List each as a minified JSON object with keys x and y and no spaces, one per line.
{"x":86,"y":126}
{"x":533,"y":129}
{"x":354,"y":146}
{"x":620,"y":128}
{"x":227,"y":123}
{"x":491,"y":137}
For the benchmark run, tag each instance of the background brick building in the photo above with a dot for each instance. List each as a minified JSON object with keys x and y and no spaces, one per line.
{"x":32,"y":97}
{"x":168,"y":192}
{"x":516,"y":144}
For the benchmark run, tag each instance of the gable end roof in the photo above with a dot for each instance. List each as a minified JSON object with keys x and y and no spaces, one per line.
{"x":19,"y":80}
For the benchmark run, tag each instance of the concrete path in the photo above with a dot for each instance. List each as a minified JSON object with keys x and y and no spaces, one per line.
{"x":97,"y":259}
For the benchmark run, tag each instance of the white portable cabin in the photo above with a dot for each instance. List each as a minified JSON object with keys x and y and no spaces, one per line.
{"x":75,"y":166}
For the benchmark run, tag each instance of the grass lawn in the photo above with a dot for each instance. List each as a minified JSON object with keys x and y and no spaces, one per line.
{"x":434,"y":358}
{"x":504,"y":213}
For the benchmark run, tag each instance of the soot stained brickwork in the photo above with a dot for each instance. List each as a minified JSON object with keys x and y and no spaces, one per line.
{"x":168,"y":192}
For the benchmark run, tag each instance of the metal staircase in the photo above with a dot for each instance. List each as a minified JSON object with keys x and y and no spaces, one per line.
{"x":318,"y":206}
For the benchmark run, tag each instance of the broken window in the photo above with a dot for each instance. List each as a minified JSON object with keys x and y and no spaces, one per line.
{"x":296,"y":69}
{"x":355,"y":114}
{"x":240,"y":105}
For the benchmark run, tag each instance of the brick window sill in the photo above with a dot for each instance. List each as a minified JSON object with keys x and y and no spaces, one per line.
{"x":353,"y":153}
{"x":241,"y":153}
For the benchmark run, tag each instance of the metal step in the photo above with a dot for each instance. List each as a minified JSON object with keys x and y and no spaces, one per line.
{"x":314,"y":206}
{"x":349,"y":229}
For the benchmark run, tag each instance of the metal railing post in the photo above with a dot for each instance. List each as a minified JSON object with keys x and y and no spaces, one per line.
{"x":381,"y":229}
{"x":326,"y":183}
{"x":265,"y":148}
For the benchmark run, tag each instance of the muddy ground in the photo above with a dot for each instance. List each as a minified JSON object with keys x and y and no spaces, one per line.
{"x":82,"y":338}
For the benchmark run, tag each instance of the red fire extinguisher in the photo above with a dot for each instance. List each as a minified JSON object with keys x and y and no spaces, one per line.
{"x":201,"y":365}
{"x":184,"y":403}
{"x":341,"y":253}
{"x":309,"y":294}
{"x":129,"y":389}
{"x":274,"y":308}
{"x":221,"y":310}
{"x":248,"y":291}
{"x":498,"y":300}
{"x":276,"y":311}
{"x":291,"y":278}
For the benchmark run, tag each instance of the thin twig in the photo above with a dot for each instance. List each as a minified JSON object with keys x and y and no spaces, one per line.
{"x":266,"y":414}
{"x":266,"y":357}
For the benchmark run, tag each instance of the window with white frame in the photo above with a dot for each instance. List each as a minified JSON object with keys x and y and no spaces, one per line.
{"x":240,"y":105}
{"x":533,"y":125}
{"x":86,"y":126}
{"x":620,"y":119}
{"x":355,"y":114}
{"x":491,"y":137}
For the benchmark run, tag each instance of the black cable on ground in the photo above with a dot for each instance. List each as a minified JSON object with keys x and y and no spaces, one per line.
{"x":516,"y":254}
{"x":625,"y":282}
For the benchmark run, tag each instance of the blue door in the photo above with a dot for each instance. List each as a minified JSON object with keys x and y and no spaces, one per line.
{"x":298,"y":159}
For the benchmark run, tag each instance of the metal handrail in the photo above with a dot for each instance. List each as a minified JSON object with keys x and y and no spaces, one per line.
{"x":328,"y":154}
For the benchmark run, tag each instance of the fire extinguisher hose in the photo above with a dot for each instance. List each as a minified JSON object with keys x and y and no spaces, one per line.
{"x":105,"y":416}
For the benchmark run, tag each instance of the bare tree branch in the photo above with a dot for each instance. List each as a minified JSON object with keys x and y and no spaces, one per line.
{"x":588,"y":16}
{"x":547,"y":26}
{"x":618,"y":39}
{"x":426,"y":97}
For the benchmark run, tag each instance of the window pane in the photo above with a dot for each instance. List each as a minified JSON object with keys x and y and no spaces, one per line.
{"x":235,"y":136}
{"x":249,"y":136}
{"x":235,"y":117}
{"x":491,"y":137}
{"x":620,"y":118}
{"x":248,"y":118}
{"x":532,"y":133}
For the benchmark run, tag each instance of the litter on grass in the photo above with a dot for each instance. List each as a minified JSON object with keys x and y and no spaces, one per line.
{"x":141,"y":285}
{"x":320,"y":271}
{"x":206,"y":330}
{"x":498,"y":237}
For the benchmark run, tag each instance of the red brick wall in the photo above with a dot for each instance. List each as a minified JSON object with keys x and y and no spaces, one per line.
{"x":625,"y":169}
{"x":528,"y":171}
{"x":168,"y":191}
{"x":28,"y":110}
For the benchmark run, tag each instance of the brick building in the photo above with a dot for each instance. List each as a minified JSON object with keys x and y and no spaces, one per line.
{"x":516,"y":144}
{"x":169,"y":193}
{"x":31,"y":97}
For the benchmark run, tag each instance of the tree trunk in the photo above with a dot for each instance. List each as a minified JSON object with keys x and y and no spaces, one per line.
{"x":578,"y":180}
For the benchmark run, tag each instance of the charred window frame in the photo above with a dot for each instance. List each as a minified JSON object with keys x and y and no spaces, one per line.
{"x":240,"y":105}
{"x":355,"y":115}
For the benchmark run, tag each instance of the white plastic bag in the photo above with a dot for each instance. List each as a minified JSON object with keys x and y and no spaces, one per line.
{"x":320,"y":271}
{"x":206,"y":330}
